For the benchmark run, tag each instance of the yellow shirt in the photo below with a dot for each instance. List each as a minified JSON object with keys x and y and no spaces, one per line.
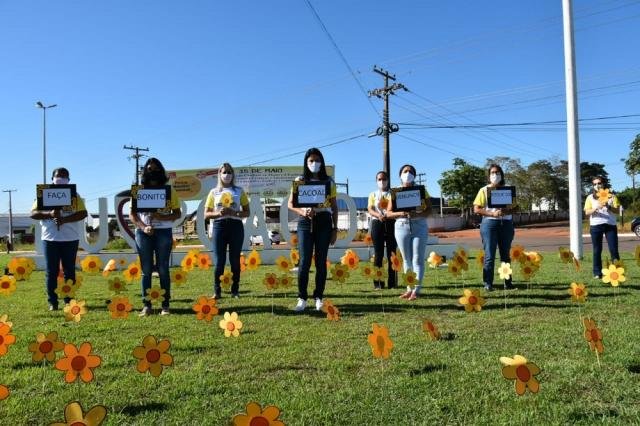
{"x":233,"y":198}
{"x":482,"y":200}
{"x":380,"y":201}
{"x":602,"y":215}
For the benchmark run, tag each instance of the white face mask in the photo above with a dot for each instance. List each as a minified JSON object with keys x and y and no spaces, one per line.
{"x":226,"y":177}
{"x":495,"y":178}
{"x":314,"y":166}
{"x":407,"y":177}
{"x":382,"y":185}
{"x":60,"y":181}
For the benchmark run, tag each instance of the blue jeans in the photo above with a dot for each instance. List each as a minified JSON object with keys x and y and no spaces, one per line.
{"x":227,"y":233}
{"x":160,"y":244}
{"x":495,"y":233}
{"x":313,"y":238}
{"x":412,"y":235}
{"x":56,"y":252}
{"x":611,"y":232}
{"x":383,"y":232}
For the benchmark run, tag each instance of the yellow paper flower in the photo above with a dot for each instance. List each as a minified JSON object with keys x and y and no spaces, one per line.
{"x":294,"y":256}
{"x":154,"y":294}
{"x":7,"y":285}
{"x":578,"y":292}
{"x":204,"y":261}
{"x":117,"y":286}
{"x":431,"y":329}
{"x":471,"y":300}
{"x":534,"y":257}
{"x":21,"y":268}
{"x":133,"y":272}
{"x":270,"y":281}
{"x":339,"y":273}
{"x":593,"y":335}
{"x":517,"y":253}
{"x":462,"y":252}
{"x":4,"y":319}
{"x":285,"y":281}
{"x":74,"y":310}
{"x":565,"y":254}
{"x":396,"y":261}
{"x":66,"y":289}
{"x":231,"y":324}
{"x":79,"y":280}
{"x":120,"y":307}
{"x":6,"y":339}
{"x":379,"y":274}
{"x":333,"y":313}
{"x":91,"y":264}
{"x":380,"y":342}
{"x":45,"y":347}
{"x":293,"y":239}
{"x":367,"y":270}
{"x":253,"y":260}
{"x":505,"y":271}
{"x":523,"y":372}
{"x":122,"y":262}
{"x":226,"y":199}
{"x":480,"y":258}
{"x":283,"y":264}
{"x":453,"y":268}
{"x":152,"y":355}
{"x":603,"y":195}
{"x":205,"y":308}
{"x":409,"y":278}
{"x":613,"y":275}
{"x":256,"y":416}
{"x":189,"y":261}
{"x":78,"y":363}
{"x":434,"y":259}
{"x":528,"y":269}
{"x":350,"y":259}
{"x":74,"y":416}
{"x":226,"y":279}
{"x":179,"y":277}
{"x":4,"y":392}
{"x":461,"y":262}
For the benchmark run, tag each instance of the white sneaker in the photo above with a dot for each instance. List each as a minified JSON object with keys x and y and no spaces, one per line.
{"x":319,"y":304}
{"x":301,"y":305}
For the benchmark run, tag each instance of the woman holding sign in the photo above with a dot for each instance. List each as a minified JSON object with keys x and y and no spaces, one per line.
{"x":313,"y":198}
{"x":227,"y":204}
{"x":496,"y":228}
{"x":60,"y":236}
{"x":410,"y":208}
{"x":154,"y":230}
{"x":382,"y":227}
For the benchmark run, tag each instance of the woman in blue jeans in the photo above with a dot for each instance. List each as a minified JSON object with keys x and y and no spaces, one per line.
{"x":227,"y":204}
{"x":411,"y":231}
{"x":317,"y":229}
{"x":496,"y":228}
{"x":154,"y":234}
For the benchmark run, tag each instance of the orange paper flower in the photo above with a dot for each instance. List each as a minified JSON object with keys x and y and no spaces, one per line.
{"x":333,"y":313}
{"x":152,"y":355}
{"x":109,"y":267}
{"x":454,"y":268}
{"x":231,"y":324}
{"x":256,"y":416}
{"x":613,"y":275}
{"x":367,"y":239}
{"x":367,"y":270}
{"x":380,"y":342}
{"x":6,"y":339}
{"x":285,"y":281}
{"x":66,"y":289}
{"x":205,"y":308}
{"x":431,"y":329}
{"x":379,"y":274}
{"x":396,"y":261}
{"x":350,"y":259}
{"x":593,"y":335}
{"x":78,"y":363}
{"x":132,"y":273}
{"x":294,"y":256}
{"x":4,"y":319}
{"x":578,"y":292}
{"x":204,"y":261}
{"x":45,"y":347}
{"x":528,"y":269}
{"x":74,"y":310}
{"x":517,"y":253}
{"x":565,"y":254}
{"x":603,"y":195}
{"x":434,"y":259}
{"x":410,"y":278}
{"x":189,"y":261}
{"x":4,"y":392}
{"x":91,"y":264}
{"x":293,"y":240}
{"x":471,"y":300}
{"x":21,"y":268}
{"x":74,"y":416}
{"x":120,"y":307}
{"x":523,"y":372}
{"x":270,"y":281}
{"x":7,"y":285}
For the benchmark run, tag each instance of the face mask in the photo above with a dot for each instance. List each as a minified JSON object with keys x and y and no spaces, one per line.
{"x":407,"y":177}
{"x":314,"y":166}
{"x":156,"y":176}
{"x":60,"y":181}
{"x":495,"y":178}
{"x":382,"y":185}
{"x":597,"y":186}
{"x":226,"y":177}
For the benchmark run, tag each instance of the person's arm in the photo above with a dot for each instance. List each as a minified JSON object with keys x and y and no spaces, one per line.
{"x":137,"y":223}
{"x":302,"y":211}
{"x":43,"y":214}
{"x":371,"y":208}
{"x":74,"y":217}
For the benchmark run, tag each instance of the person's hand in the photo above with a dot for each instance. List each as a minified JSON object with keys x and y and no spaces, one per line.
{"x":309,"y":213}
{"x":226,"y":211}
{"x":148,"y":229}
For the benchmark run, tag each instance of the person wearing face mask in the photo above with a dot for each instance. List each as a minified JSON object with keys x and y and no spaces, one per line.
{"x":61,"y":230}
{"x":412,"y":231}
{"x":227,"y":204}
{"x":599,"y":207}
{"x":382,"y":227}
{"x":154,"y":235}
{"x":496,"y":228}
{"x":317,"y":229}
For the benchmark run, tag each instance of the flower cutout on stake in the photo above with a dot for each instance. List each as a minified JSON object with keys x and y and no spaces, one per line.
{"x":523,"y":372}
{"x":505,"y":271}
{"x":516,"y":253}
{"x":204,"y":261}
{"x":256,"y":416}
{"x":396,"y":261}
{"x":66,"y":288}
{"x":379,"y":274}
{"x":480,"y":258}
{"x":350,"y":259}
{"x":189,"y":262}
{"x":367,"y":239}
{"x":380,"y":342}
{"x":293,"y":239}
{"x":471,"y":300}
{"x":6,"y":339}
{"x":4,"y":392}
{"x":593,"y":335}
{"x":155,"y":294}
{"x":178,"y":277}
{"x":578,"y":292}
{"x":367,"y":270}
{"x":132,"y":273}
{"x":117,"y":285}
{"x":4,"y":319}
{"x":434,"y":260}
{"x":270,"y":281}
{"x":78,"y":363}
{"x":409,"y":278}
{"x":253,"y":260}
{"x":333,"y":313}
{"x":285,"y":281}
{"x":339,"y":273}
{"x":226,"y":199}
{"x":91,"y":264}
{"x":230,"y":324}
{"x":613,"y":275}
{"x":283,"y":264}
{"x":565,"y":254}
{"x":74,"y":310}
{"x":152,"y":355}
{"x":205,"y":308}
{"x":21,"y":268}
{"x":45,"y":347}
{"x":453,"y":268}
{"x":528,"y":269}
{"x":294,"y":256}
{"x":431,"y":329}
{"x":7,"y":285}
{"x":226,"y":279}
{"x":74,"y":416}
{"x":120,"y":307}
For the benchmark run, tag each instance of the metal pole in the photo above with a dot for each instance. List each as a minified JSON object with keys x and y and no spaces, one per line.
{"x":573,"y":143}
{"x":44,"y":145}
{"x":10,"y":245}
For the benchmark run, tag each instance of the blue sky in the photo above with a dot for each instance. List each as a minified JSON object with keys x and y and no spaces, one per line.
{"x":203,"y":82}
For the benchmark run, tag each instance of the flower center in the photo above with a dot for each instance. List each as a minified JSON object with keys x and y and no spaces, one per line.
{"x":75,"y":310}
{"x":614,"y":276}
{"x":78,"y":363}
{"x":380,"y":343}
{"x":522,"y":373}
{"x":92,"y":265}
{"x":206,"y":309}
{"x":153,"y":355}
{"x":46,"y":346}
{"x":579,"y":291}
{"x":473,"y":300}
{"x":259,"y":421}
{"x":331,"y":310}
{"x":134,"y":271}
{"x":430,"y":327}
{"x":178,"y":277}
{"x":231,"y":326}
{"x":5,"y":284}
{"x":594,"y":335}
{"x":20,"y":270}
{"x":120,"y":307}
{"x":66,"y":288}
{"x":1,"y":340}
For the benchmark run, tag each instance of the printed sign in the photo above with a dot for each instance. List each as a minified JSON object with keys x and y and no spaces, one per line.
{"x":310,"y":194}
{"x":150,"y":199}
{"x":55,"y":196}
{"x":501,"y":197}
{"x":408,"y":198}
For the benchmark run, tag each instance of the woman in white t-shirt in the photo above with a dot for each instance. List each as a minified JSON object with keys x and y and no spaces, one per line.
{"x":382,"y":227}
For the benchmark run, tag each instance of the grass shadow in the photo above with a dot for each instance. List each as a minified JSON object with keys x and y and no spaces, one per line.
{"x":634,"y":368}
{"x":429,"y":368}
{"x":134,"y":410}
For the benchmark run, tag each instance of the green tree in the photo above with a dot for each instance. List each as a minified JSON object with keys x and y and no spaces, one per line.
{"x":461,"y":184}
{"x":542,"y":182}
{"x":632,"y":163}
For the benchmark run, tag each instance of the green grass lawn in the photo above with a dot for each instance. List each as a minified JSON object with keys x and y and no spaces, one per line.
{"x":321,"y":372}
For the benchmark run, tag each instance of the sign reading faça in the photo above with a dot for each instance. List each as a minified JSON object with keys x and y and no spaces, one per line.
{"x":54,"y":196}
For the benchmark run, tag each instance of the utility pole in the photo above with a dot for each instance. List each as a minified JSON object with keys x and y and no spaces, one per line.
{"x":387,"y":128}
{"x":137,"y":156}
{"x":419,"y":178}
{"x":10,"y":242}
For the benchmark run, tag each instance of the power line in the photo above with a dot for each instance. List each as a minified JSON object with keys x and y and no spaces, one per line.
{"x":525,"y":123}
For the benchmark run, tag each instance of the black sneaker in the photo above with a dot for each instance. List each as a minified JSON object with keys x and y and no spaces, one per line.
{"x":509,"y":286}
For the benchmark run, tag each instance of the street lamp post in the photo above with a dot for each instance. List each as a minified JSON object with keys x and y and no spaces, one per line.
{"x":44,"y":137}
{"x":10,"y":240}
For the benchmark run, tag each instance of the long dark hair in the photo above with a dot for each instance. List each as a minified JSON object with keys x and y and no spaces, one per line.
{"x":160,"y":179}
{"x":322,"y":174}
{"x":495,"y":166}
{"x":61,"y":170}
